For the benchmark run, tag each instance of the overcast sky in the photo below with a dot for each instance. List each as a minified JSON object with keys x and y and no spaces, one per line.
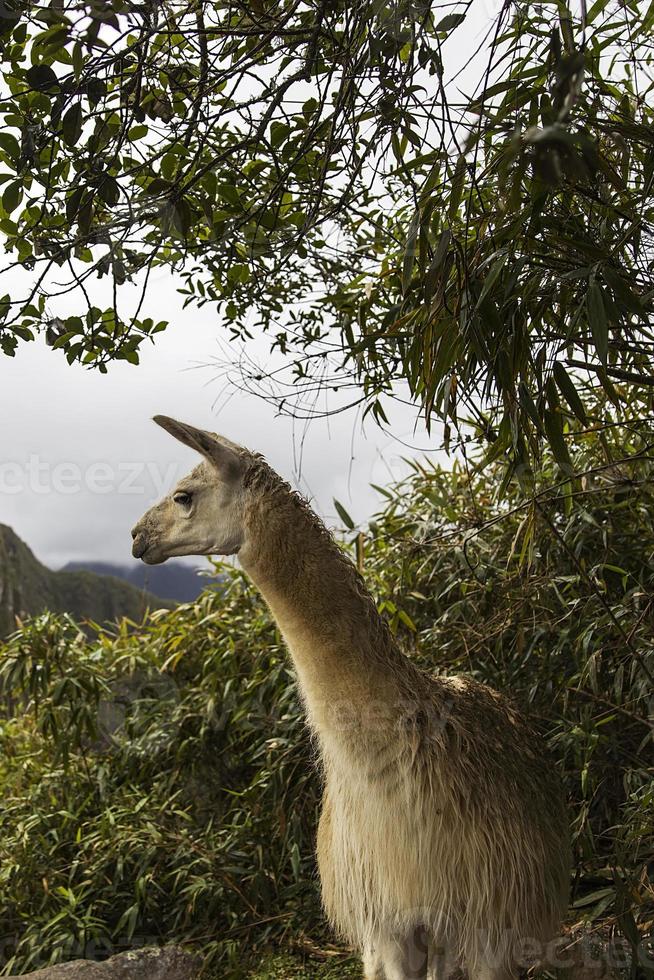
{"x":80,"y":459}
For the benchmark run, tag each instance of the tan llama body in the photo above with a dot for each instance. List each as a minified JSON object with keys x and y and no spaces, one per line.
{"x":455,"y":829}
{"x":443,"y":840}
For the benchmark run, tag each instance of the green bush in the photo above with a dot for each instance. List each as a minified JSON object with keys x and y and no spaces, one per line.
{"x":158,"y":785}
{"x":158,"y":782}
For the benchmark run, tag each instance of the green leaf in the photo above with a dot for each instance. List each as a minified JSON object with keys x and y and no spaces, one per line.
{"x":96,"y":89}
{"x":158,"y":186}
{"x":72,"y":125}
{"x":528,"y":406}
{"x":406,"y":620}
{"x":593,"y":897}
{"x":9,"y":144}
{"x":410,"y":252}
{"x":85,"y":213}
{"x":109,"y":190}
{"x":608,"y":387}
{"x":230,"y":194}
{"x":596,"y":10}
{"x":182,"y":216}
{"x":343,"y":514}
{"x":278,"y":133}
{"x":491,"y":277}
{"x":431,"y":276}
{"x":553,"y":422}
{"x":309,"y":108}
{"x":449,"y":22}
{"x":73,"y":202}
{"x":597,"y":320}
{"x":63,"y":340}
{"x":569,"y":392}
{"x":456,"y":189}
{"x":42,"y":78}
{"x":12,"y":195}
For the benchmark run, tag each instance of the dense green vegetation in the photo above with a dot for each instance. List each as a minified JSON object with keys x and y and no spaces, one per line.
{"x":158,"y":784}
{"x":27,"y":587}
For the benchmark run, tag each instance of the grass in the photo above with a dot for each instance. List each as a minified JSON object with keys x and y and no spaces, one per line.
{"x":286,"y":967}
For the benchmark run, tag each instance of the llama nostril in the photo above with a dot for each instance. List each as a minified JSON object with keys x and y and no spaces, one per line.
{"x":139,"y":547}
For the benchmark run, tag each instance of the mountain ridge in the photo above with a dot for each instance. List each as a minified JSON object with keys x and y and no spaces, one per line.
{"x":174,"y":580}
{"x":28,"y":587}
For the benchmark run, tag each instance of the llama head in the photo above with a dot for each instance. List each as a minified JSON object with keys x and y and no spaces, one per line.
{"x":204,"y":514}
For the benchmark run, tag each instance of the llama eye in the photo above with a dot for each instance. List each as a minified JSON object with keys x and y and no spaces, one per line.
{"x":183,"y":499}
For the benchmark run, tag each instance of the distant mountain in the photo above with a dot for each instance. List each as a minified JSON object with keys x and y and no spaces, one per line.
{"x":175,"y":580}
{"x":27,"y":587}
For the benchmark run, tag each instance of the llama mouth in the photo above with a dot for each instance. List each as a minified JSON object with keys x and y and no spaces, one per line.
{"x":143,"y":549}
{"x":153,"y":559}
{"x":139,"y":547}
{"x":150,"y":556}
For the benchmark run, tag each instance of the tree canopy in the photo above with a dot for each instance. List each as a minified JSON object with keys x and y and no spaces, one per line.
{"x":458,"y":198}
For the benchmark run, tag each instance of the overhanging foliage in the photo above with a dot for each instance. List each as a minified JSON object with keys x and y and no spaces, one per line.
{"x":318,"y":164}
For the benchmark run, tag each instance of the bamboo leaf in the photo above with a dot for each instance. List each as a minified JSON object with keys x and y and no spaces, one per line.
{"x":597,"y":320}
{"x":343,"y":514}
{"x":553,"y":421}
{"x":569,"y":392}
{"x":410,"y":252}
{"x":456,"y":190}
{"x":431,"y":276}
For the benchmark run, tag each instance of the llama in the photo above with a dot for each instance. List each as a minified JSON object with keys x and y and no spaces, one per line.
{"x":443,"y":838}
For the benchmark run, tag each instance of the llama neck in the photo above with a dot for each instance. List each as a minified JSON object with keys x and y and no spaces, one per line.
{"x":353,"y":677}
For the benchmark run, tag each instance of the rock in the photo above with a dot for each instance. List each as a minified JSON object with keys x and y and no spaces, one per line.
{"x":148,"y":963}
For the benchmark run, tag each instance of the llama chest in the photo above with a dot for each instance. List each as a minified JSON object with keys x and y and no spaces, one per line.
{"x":376,"y":851}
{"x":439,"y":837}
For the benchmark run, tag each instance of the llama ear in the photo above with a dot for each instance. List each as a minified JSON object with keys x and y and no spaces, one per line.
{"x":223,"y":457}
